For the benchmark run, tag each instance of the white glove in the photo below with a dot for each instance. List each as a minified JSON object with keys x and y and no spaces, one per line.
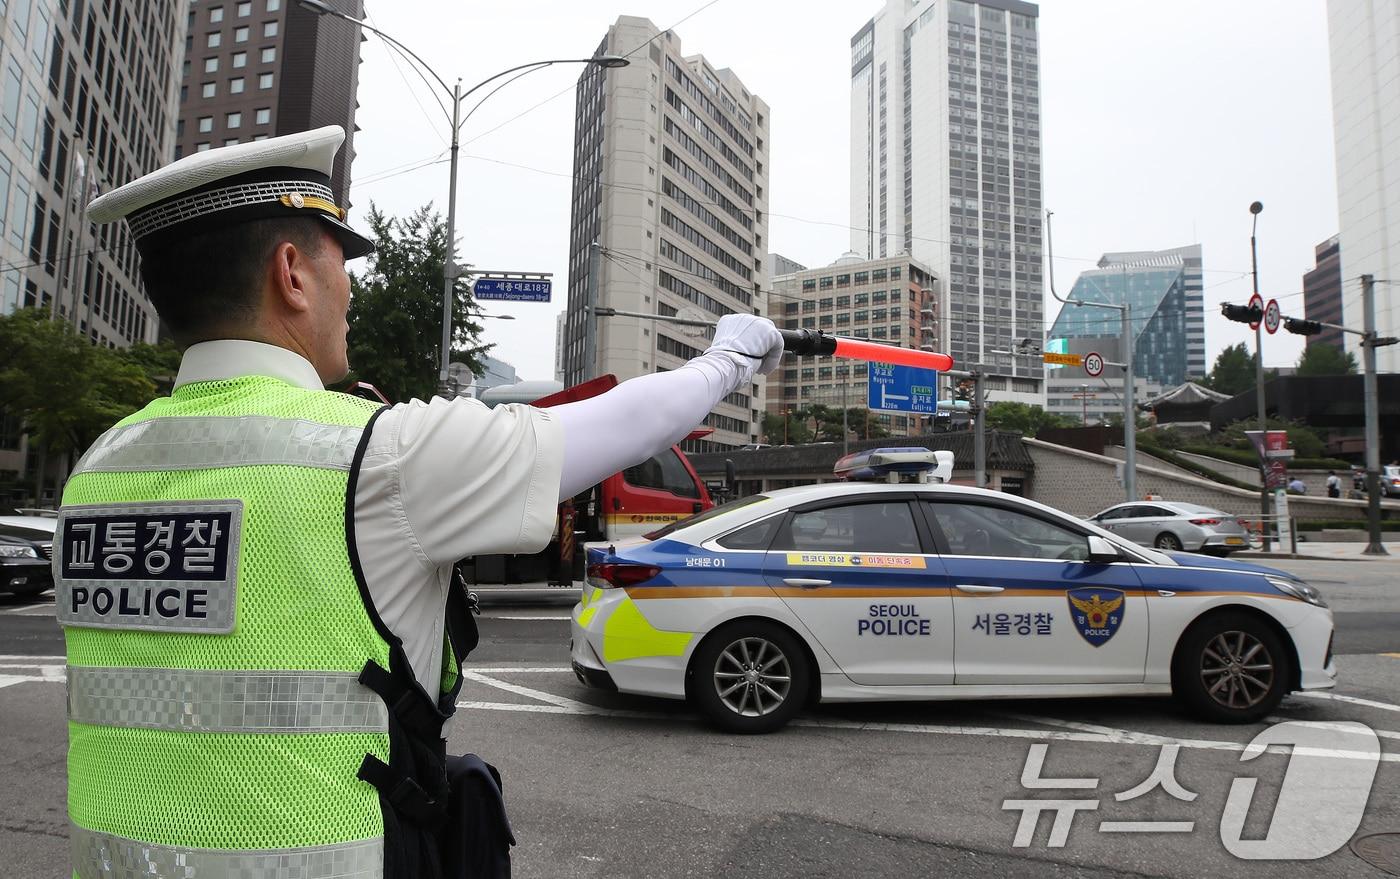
{"x":751,"y":341}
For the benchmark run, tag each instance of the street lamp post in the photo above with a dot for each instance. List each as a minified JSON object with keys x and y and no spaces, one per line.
{"x":449,"y":269}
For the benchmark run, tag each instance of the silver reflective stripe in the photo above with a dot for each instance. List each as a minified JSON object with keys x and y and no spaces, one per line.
{"x":104,"y":856}
{"x":224,"y":701}
{"x":198,"y":443}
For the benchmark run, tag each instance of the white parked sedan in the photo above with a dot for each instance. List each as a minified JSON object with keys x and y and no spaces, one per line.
{"x":1170,"y":525}
{"x":866,"y":591}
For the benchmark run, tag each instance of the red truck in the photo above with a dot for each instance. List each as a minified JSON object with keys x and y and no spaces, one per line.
{"x":660,"y":490}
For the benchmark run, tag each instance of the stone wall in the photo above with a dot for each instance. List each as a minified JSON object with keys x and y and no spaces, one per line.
{"x":1082,"y":484}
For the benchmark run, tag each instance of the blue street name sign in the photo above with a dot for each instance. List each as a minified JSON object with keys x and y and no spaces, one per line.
{"x":903,"y":388}
{"x":511,"y":290}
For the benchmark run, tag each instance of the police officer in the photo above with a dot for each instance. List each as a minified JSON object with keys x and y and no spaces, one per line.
{"x":254,"y":573}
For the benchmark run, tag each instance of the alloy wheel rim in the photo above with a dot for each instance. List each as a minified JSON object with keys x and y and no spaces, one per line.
{"x":752,"y":677}
{"x":1237,"y":670}
{"x":1166,"y":542}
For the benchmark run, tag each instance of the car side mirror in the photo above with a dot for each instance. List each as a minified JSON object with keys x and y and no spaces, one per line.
{"x":1101,"y":551}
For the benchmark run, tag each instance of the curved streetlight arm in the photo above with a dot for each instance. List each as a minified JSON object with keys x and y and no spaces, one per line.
{"x":1050,"y":257}
{"x":526,"y":72}
{"x":320,"y":8}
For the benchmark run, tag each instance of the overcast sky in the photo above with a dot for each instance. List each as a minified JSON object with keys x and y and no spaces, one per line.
{"x":1161,"y":123}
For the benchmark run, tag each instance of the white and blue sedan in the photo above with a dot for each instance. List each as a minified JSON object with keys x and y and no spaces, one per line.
{"x":866,"y":590}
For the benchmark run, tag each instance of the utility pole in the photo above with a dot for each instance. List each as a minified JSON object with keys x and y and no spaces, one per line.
{"x":1369,"y":342}
{"x":590,"y":322}
{"x":1259,"y":403}
{"x":979,"y":428}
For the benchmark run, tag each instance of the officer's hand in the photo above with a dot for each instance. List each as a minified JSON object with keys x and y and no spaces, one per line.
{"x":753,"y":338}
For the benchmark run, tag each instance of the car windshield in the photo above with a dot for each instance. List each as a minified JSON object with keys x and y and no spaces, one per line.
{"x":706,"y":516}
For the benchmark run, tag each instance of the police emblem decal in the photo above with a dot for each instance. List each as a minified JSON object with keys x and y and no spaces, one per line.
{"x":1097,"y":613}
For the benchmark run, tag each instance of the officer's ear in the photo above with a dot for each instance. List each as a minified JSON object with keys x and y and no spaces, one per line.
{"x":290,"y":272}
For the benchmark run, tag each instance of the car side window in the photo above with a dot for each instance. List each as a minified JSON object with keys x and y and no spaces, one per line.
{"x":755,"y":536}
{"x":1116,"y":513}
{"x":665,"y":472}
{"x":873,"y":527}
{"x":1152,"y":513}
{"x":978,"y":530}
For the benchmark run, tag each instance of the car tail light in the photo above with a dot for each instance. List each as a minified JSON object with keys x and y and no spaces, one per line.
{"x":1205,"y":521}
{"x":1242,"y":523}
{"x":622,"y":575}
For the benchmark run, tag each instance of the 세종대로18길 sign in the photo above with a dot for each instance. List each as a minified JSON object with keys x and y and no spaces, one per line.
{"x":511,"y":289}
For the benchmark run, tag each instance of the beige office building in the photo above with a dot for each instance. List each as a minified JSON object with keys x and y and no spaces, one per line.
{"x":670,"y":165}
{"x":896,"y":300}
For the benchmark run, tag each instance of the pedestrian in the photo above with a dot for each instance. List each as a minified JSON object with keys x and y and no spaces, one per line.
{"x":256,"y":573}
{"x":1297,"y":486}
{"x":1334,"y":484}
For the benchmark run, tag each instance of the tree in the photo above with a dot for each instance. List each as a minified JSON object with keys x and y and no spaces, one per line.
{"x":64,"y":389}
{"x":1233,"y":372}
{"x":396,"y":308}
{"x":1319,"y":358}
{"x":1024,"y":418}
{"x":789,"y":427}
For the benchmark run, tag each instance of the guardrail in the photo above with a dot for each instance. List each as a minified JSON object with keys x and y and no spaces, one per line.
{"x":1260,"y":526}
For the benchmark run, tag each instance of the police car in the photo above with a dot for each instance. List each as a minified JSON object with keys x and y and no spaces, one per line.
{"x":875,"y":589}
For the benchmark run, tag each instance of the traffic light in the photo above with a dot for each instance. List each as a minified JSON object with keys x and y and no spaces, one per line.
{"x":1301,"y":327}
{"x":1242,"y":313}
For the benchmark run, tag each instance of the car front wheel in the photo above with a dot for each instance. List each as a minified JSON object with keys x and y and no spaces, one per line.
{"x":1231,"y":668}
{"x":750,"y":677}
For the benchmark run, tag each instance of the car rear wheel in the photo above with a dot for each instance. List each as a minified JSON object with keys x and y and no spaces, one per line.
{"x":1168,"y":542}
{"x":1231,"y":668}
{"x":750,"y":677}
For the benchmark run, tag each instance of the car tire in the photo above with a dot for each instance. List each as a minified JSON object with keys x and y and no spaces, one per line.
{"x":1167,"y":542}
{"x":1231,"y":668}
{"x":750,"y":677}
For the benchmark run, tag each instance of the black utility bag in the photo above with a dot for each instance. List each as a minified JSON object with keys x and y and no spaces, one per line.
{"x":476,"y":838}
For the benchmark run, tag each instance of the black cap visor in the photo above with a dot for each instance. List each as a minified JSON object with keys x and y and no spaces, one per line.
{"x":352,"y":243}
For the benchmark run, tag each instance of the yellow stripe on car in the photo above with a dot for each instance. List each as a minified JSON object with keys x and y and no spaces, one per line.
{"x":628,"y":635}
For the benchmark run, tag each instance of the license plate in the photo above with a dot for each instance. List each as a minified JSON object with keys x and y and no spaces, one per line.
{"x":1234,"y":541}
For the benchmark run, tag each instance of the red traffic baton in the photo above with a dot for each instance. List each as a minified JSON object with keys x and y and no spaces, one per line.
{"x":806,"y":343}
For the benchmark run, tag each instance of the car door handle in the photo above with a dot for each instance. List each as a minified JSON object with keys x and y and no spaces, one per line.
{"x":979,"y":589}
{"x":805,"y":583}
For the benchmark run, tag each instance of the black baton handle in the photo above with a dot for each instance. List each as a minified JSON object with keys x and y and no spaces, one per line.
{"x":806,"y":343}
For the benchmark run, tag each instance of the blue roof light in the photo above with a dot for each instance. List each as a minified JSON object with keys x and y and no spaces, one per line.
{"x":878,"y":465}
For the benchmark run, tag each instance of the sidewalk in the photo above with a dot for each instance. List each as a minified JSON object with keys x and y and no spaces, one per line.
{"x":1308,"y":549}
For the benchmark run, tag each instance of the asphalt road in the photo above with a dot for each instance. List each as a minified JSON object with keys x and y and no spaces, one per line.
{"x":608,"y":785}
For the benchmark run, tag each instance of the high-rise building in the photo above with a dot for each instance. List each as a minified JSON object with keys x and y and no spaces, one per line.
{"x":670,"y":180}
{"x":1322,"y":291}
{"x":87,"y":104}
{"x":895,"y":299}
{"x":256,"y":69}
{"x":946,"y":166}
{"x":1164,"y":290}
{"x":1364,"y":43}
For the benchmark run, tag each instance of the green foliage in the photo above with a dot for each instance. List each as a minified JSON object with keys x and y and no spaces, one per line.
{"x":1249,"y":459}
{"x":1233,"y":372}
{"x":1303,"y":440}
{"x":1166,"y":438}
{"x":819,"y":423}
{"x":160,"y":362}
{"x":64,"y":389}
{"x":1320,"y":358}
{"x":396,"y":308}
{"x":1025,"y":418}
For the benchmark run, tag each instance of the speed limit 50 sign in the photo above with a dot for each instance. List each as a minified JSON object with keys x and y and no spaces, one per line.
{"x":1093,"y":364}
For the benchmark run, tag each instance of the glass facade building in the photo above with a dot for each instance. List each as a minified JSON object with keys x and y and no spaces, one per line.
{"x":1168,"y":321}
{"x":87,"y":102}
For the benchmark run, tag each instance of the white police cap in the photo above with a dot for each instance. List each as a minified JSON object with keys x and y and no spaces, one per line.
{"x":286,"y":176}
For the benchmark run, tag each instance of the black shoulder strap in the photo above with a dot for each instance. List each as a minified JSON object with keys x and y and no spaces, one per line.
{"x":461,"y":626}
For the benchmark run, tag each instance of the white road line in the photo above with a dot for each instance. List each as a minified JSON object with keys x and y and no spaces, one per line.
{"x":514,"y":669}
{"x":1380,"y":733}
{"x":1126,"y":736}
{"x":1098,"y":735}
{"x":1146,"y":826}
{"x":1350,"y":700}
{"x":20,"y":657}
{"x":492,"y":616}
